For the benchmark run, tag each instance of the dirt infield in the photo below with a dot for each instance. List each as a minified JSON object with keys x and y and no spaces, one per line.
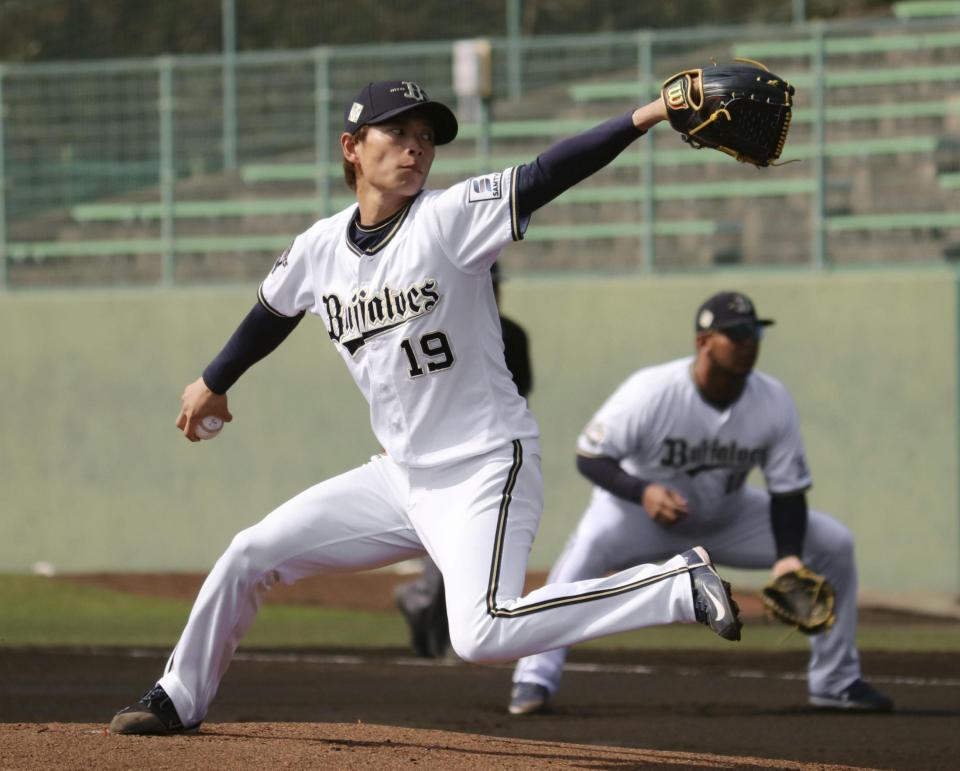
{"x":380,"y":709}
{"x":344,"y":709}
{"x":346,"y":746}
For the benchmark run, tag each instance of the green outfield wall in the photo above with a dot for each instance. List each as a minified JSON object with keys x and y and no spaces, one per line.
{"x":94,"y":476}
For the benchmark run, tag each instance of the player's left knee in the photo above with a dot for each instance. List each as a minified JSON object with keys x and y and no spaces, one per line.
{"x":836,"y":544}
{"x":841,"y":542}
{"x":466,"y":647}
{"x":246,"y":558}
{"x":464,"y":650}
{"x":477,"y":643}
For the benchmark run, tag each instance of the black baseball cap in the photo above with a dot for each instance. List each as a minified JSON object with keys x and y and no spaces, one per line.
{"x":379,"y":102}
{"x":728,"y":309}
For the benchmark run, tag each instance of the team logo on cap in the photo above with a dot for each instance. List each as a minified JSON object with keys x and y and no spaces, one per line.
{"x":740,"y":304}
{"x":355,"y":112}
{"x":413,"y":91}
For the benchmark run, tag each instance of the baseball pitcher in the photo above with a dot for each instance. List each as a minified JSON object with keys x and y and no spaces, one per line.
{"x":400,"y":283}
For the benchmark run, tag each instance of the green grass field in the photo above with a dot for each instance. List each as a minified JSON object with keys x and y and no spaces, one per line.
{"x":35,"y":611}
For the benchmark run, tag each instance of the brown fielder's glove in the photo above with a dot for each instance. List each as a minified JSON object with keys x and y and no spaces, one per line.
{"x":741,"y":109}
{"x":801,"y":598}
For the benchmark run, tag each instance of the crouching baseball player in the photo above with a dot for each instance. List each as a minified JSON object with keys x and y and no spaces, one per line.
{"x":669,"y":453}
{"x":401,"y":283}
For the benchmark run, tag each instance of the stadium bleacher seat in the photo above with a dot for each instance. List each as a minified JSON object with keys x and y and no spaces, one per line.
{"x":926,"y":9}
{"x":949,"y":181}
{"x":265,"y":172}
{"x":885,"y":76}
{"x":894,"y":221}
{"x":42,"y":250}
{"x":130,"y":212}
{"x":547,"y":232}
{"x":848,"y":45}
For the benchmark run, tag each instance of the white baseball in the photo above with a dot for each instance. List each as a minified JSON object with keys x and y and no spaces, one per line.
{"x":209,"y":427}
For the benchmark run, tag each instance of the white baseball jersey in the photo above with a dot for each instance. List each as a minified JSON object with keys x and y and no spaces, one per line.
{"x":416,"y":320}
{"x":662,"y":430}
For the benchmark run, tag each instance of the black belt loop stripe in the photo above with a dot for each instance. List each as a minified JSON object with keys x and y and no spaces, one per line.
{"x":505,"y":499}
{"x":557,"y":602}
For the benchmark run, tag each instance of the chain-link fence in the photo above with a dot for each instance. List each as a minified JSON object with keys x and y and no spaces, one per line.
{"x":200,"y":168}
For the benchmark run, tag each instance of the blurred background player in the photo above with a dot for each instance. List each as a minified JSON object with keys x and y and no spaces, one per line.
{"x":669,"y":453}
{"x":421,"y":601}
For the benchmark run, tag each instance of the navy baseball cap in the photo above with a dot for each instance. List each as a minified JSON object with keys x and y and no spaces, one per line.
{"x":728,"y":309}
{"x":379,"y":102}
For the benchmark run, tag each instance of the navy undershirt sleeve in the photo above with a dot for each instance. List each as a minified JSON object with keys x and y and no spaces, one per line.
{"x":606,"y":473}
{"x":788,"y":516}
{"x":571,"y":161}
{"x":258,"y":334}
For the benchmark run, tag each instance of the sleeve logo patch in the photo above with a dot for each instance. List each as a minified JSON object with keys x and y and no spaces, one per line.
{"x":282,"y":259}
{"x":595,"y":433}
{"x":486,"y":188}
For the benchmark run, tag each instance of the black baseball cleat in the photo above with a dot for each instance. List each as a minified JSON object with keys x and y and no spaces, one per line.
{"x":416,"y":618}
{"x":859,"y":696}
{"x":713,"y":603}
{"x":154,"y":714}
{"x":426,"y":617}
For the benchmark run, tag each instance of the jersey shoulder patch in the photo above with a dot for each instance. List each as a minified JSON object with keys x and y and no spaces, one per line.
{"x":489,"y":187}
{"x":282,"y":260}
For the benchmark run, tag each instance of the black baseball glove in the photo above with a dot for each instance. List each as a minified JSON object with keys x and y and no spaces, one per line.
{"x":741,"y":109}
{"x":801,"y":598}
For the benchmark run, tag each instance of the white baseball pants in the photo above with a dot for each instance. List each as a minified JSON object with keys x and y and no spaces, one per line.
{"x":613,"y":533}
{"x":476,"y":518}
